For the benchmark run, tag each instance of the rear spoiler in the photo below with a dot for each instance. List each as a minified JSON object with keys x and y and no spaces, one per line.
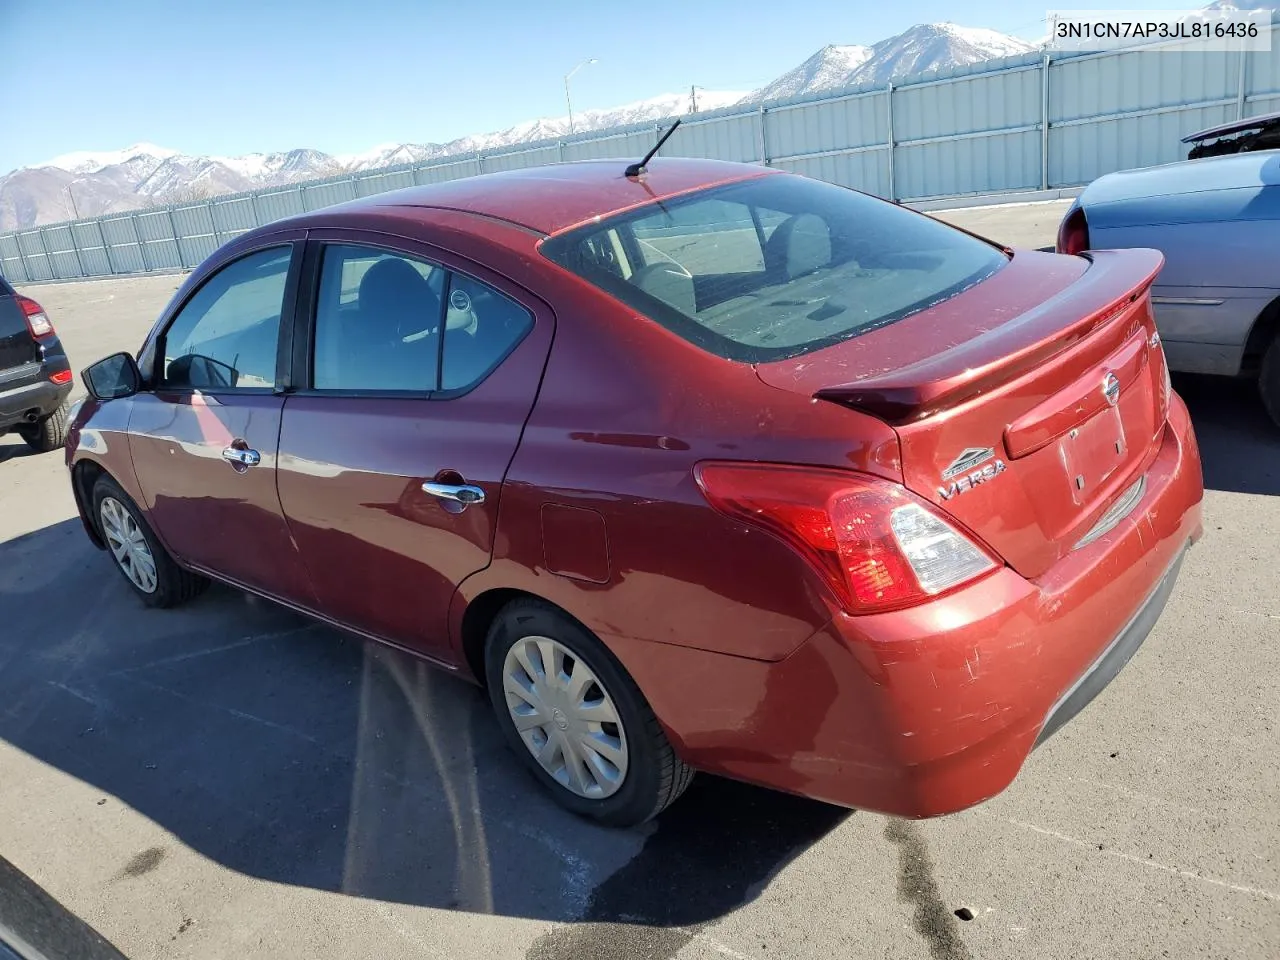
{"x":1235,"y":126}
{"x":1115,"y":279}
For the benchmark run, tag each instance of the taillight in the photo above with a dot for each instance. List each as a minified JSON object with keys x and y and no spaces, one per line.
{"x":1073,"y":235}
{"x":37,"y":320}
{"x":61,"y":377}
{"x":876,"y":546}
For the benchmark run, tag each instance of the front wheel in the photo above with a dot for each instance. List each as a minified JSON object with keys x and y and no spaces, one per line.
{"x":139,"y":556}
{"x":1269,"y":380}
{"x":577,"y":720}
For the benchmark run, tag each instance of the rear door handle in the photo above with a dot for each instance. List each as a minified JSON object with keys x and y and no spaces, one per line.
{"x":242,"y":458}
{"x":463,"y":493}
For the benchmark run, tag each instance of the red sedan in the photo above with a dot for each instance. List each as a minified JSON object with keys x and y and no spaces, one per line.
{"x":710,"y":467}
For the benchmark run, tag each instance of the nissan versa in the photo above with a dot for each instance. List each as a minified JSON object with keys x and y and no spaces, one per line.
{"x":705,"y":466}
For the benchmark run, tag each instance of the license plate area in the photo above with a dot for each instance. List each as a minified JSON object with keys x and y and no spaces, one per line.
{"x":1093,"y":452}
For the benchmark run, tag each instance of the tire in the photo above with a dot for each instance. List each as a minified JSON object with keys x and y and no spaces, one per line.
{"x":162,"y":583}
{"x":1269,"y":381}
{"x":651,"y":776}
{"x":48,"y":434}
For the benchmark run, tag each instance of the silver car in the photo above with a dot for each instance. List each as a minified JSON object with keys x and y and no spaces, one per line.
{"x":1217,"y":221}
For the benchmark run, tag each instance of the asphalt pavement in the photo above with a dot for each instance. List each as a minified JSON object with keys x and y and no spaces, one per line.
{"x":231,"y":780}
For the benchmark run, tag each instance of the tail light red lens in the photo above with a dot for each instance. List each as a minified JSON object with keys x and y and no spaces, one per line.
{"x":37,"y":320}
{"x":1073,"y":234}
{"x":876,"y":546}
{"x":61,"y":377}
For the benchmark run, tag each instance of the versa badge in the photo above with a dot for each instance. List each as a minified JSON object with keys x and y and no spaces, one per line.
{"x":964,"y":476}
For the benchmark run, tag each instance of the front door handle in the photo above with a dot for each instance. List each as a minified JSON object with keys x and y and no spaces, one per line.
{"x":242,"y":457}
{"x":463,"y":493}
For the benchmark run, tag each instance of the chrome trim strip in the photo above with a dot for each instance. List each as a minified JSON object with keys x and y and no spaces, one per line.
{"x":1190,"y":301}
{"x":1115,"y":513}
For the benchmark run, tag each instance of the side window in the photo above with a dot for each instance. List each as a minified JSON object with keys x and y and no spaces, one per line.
{"x":377,"y":321}
{"x":482,"y":327}
{"x":226,"y":335}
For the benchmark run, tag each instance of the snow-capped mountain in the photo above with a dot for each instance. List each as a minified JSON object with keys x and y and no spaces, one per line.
{"x":87,"y":161}
{"x":1241,"y":5}
{"x":935,"y":46}
{"x":544,"y":128}
{"x":924,"y":47}
{"x":90,"y":183}
{"x":827,"y":69}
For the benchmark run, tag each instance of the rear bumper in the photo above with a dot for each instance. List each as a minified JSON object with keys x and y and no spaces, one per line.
{"x":1105,"y":669}
{"x":926,"y":711}
{"x":40,"y":399}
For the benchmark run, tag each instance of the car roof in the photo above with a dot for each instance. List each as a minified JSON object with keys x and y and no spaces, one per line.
{"x":550,"y":199}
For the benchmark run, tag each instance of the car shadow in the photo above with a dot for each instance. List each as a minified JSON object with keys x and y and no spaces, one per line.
{"x":12,"y":446}
{"x":1239,"y":445}
{"x":298,"y":754}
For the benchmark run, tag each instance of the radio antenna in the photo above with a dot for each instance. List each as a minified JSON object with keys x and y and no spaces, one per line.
{"x":638,"y":168}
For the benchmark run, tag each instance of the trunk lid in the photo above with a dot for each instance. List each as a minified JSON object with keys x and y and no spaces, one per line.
{"x":1025,"y":406}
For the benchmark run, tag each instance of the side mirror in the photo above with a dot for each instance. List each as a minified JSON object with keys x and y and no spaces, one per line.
{"x":113,"y":377}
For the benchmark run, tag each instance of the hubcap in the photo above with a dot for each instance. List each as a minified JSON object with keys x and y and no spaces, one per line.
{"x":128,"y":545}
{"x":565,"y":717}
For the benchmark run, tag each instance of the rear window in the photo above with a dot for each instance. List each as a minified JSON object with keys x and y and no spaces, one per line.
{"x":775,"y":267}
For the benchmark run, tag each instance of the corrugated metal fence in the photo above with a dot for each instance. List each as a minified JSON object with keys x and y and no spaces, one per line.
{"x":1024,"y":123}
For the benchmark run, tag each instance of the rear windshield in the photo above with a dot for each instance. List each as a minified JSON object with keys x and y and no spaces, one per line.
{"x":775,"y":267}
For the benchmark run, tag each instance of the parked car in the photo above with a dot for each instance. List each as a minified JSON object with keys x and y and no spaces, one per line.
{"x":707,"y":467}
{"x":1217,"y":300}
{"x":1239,"y":136}
{"x":35,"y":375}
{"x":35,"y":926}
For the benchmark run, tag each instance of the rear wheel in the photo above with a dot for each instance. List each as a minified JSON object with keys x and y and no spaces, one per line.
{"x":1269,"y":380}
{"x":145,"y":564}
{"x":576,"y":719}
{"x":48,"y":433}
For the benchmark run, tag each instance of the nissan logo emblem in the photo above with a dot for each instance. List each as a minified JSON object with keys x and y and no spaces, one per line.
{"x":459,"y":300}
{"x":1111,"y":388}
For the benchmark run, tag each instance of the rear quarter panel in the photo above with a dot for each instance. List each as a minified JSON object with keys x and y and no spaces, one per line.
{"x":625,"y":411}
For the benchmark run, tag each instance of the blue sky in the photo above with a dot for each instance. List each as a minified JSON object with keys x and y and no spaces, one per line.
{"x":238,"y":76}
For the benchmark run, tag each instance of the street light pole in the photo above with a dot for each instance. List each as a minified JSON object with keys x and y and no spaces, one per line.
{"x":72,"y":197}
{"x":567,"y":101}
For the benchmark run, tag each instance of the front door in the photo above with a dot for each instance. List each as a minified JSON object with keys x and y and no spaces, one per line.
{"x":204,"y":437}
{"x":422,"y":372}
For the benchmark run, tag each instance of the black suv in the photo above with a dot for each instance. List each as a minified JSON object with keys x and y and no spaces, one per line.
{"x":35,"y":376}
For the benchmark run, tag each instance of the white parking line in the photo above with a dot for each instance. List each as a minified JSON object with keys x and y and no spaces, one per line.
{"x":1166,"y":867}
{"x":209,"y":651}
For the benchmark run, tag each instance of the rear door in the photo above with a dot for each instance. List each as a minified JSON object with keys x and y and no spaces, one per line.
{"x":19,"y":353}
{"x":421,"y":369}
{"x":204,"y":436}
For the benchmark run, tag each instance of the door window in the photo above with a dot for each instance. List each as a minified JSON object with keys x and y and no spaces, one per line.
{"x":226,"y":336}
{"x":380,"y":317}
{"x":377,"y":321}
{"x":483,"y":327}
